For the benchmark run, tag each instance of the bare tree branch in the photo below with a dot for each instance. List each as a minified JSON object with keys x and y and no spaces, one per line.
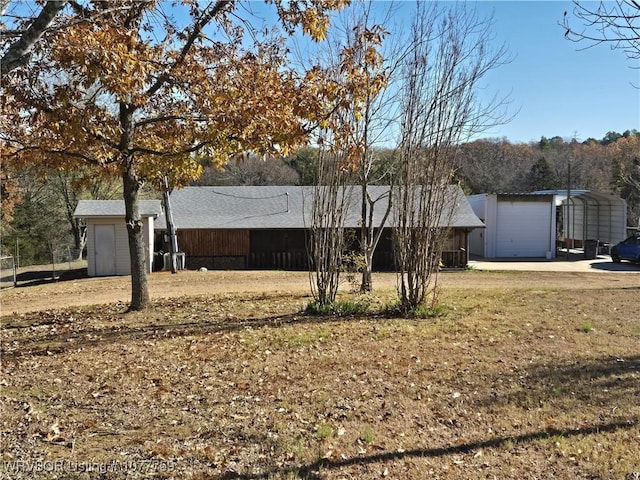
{"x":17,"y":54}
{"x":208,"y":15}
{"x":615,"y":23}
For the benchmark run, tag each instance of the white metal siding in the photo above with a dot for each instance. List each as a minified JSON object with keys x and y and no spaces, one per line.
{"x":91,"y":251}
{"x":122,"y":260}
{"x":603,"y":222}
{"x":123,"y":263}
{"x":523,"y":229}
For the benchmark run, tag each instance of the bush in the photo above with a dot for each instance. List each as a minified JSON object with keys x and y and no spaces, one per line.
{"x":340,"y":308}
{"x":423,"y":311}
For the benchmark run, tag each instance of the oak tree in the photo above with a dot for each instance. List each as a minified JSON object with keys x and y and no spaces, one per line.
{"x":24,"y":31}
{"x":141,"y":91}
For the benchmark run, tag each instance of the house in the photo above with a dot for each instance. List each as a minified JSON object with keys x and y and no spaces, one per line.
{"x":107,"y":239}
{"x":535,"y":224}
{"x":265,"y":226}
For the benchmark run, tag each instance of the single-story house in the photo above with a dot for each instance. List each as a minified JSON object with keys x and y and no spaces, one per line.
{"x":535,"y":224}
{"x":259,"y":227}
{"x":107,"y":239}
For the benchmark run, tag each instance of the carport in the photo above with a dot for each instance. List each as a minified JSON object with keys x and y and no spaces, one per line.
{"x":593,"y":216}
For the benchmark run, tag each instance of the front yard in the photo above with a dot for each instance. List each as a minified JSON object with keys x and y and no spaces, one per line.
{"x":521,"y":378}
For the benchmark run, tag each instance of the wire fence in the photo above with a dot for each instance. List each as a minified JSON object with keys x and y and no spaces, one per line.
{"x":63,"y":260}
{"x":64,"y":264}
{"x":7,"y":272}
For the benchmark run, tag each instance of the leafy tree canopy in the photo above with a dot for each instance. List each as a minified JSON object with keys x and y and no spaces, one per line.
{"x":134,"y":93}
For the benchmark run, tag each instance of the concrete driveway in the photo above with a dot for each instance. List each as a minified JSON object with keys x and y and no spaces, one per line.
{"x":575,"y":263}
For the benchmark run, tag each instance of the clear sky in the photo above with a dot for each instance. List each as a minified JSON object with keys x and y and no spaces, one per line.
{"x":555,"y":88}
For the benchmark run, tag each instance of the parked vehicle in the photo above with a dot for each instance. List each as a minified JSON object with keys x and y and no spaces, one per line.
{"x":628,"y":249}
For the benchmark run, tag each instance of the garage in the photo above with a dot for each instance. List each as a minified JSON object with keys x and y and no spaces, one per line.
{"x":523,"y":228}
{"x":517,"y":225}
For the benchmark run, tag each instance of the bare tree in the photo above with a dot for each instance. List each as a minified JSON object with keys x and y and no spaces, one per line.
{"x":362,"y":120}
{"x":449,"y":56}
{"x":616,"y":23}
{"x":327,"y":233}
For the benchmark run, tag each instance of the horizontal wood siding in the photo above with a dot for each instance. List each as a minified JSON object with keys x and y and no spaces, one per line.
{"x":214,"y":243}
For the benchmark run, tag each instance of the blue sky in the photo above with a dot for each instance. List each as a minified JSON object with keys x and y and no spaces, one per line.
{"x":555,"y":88}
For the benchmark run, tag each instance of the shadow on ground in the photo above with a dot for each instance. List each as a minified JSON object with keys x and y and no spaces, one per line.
{"x":312,"y":471}
{"x":37,"y":277}
{"x":616,"y":267}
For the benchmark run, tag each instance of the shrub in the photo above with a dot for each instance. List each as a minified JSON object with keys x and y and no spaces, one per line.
{"x":420,"y":311}
{"x":341,"y":308}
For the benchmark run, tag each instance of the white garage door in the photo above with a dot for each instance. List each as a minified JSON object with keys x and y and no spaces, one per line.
{"x":523,"y":229}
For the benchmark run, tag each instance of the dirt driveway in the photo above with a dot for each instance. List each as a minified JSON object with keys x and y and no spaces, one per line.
{"x":90,"y":291}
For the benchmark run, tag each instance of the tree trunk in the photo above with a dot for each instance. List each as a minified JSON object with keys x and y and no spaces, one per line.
{"x":139,"y":287}
{"x":365,"y":284}
{"x":79,"y":236}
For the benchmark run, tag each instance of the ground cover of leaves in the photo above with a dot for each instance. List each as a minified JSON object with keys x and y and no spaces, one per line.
{"x":514,"y":381}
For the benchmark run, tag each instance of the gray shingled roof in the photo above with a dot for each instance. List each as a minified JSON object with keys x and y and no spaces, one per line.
{"x":115,"y":208}
{"x":277,"y":207}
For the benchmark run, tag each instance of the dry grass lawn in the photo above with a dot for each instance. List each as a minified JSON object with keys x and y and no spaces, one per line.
{"x":526,"y":375}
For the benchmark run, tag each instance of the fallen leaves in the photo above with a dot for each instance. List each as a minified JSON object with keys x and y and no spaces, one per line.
{"x":216,"y":384}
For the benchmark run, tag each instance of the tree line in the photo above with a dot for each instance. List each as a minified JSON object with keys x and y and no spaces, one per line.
{"x":488,"y":165}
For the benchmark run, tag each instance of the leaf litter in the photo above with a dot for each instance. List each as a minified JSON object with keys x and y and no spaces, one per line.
{"x":242,"y":385}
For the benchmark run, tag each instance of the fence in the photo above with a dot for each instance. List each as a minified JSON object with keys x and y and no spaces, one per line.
{"x":7,"y":272}
{"x":64,"y":264}
{"x":63,"y":260}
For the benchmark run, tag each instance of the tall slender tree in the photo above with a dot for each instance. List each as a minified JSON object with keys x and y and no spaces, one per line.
{"x":361,"y":117}
{"x":449,"y":55}
{"x":327,"y":239}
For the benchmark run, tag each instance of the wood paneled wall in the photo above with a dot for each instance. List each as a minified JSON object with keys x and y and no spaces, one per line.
{"x":214,"y":243}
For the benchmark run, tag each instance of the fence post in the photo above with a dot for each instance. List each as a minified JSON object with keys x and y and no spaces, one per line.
{"x":53,"y":264}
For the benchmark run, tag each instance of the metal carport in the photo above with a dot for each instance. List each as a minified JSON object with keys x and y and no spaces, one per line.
{"x":594,"y":216}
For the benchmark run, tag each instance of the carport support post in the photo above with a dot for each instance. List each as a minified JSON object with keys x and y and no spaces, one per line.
{"x":173,"y":240}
